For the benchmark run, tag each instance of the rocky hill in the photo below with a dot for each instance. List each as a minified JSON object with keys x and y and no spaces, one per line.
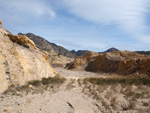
{"x":119,"y":62}
{"x":43,"y":44}
{"x":81,"y":62}
{"x":21,"y":61}
{"x":110,"y":50}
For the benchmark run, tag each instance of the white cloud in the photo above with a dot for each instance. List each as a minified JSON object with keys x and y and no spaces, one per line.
{"x":29,"y":7}
{"x":129,"y":15}
{"x":52,"y":13}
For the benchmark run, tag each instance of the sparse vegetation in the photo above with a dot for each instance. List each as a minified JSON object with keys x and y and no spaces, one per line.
{"x":46,"y":81}
{"x":119,"y":80}
{"x":113,"y":102}
{"x":70,"y":84}
{"x":146,"y":103}
{"x":119,"y":93}
{"x":53,"y":80}
{"x":35,"y":82}
{"x":111,"y":94}
{"x":37,"y":85}
{"x":79,"y":82}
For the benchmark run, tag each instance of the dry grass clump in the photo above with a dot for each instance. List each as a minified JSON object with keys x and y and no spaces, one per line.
{"x":119,"y":80}
{"x":70,"y":85}
{"x":79,"y":82}
{"x":130,"y":105}
{"x":37,"y":86}
{"x":119,"y":94}
{"x":46,"y":81}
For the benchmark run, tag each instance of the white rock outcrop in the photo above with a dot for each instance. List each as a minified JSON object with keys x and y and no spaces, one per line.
{"x":19,"y":63}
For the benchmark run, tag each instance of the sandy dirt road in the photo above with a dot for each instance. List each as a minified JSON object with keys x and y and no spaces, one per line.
{"x":73,"y":97}
{"x":60,"y":101}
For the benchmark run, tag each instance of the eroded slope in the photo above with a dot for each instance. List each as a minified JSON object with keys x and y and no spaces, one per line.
{"x":20,"y":61}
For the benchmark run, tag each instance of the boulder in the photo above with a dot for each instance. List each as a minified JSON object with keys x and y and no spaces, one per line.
{"x":22,"y":40}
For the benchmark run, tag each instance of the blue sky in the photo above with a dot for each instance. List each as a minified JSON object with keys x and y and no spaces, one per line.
{"x":82,"y":24}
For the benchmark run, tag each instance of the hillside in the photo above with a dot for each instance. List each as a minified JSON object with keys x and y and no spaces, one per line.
{"x":119,"y":62}
{"x":43,"y":44}
{"x":21,"y":61}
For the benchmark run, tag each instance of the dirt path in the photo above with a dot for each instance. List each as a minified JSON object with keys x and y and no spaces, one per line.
{"x":76,"y":74}
{"x":69,"y":101}
{"x":75,"y":97}
{"x":69,"y":98}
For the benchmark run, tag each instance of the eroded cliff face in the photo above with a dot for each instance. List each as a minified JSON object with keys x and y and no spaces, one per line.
{"x":57,"y":60}
{"x":81,"y":62}
{"x":21,"y":61}
{"x":120,"y":62}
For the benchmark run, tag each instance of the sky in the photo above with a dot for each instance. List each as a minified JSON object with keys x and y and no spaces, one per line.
{"x":95,"y":25}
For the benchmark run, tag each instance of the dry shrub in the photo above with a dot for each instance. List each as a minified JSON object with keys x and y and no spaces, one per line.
{"x":119,"y":80}
{"x":38,"y":86}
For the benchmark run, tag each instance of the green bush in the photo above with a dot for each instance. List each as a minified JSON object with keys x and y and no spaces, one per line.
{"x":46,"y":81}
{"x":35,"y":82}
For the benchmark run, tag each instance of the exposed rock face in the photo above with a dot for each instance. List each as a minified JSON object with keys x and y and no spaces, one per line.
{"x":54,"y":52}
{"x":22,"y":40}
{"x":81,"y":62}
{"x":20,"y":64}
{"x":43,"y":44}
{"x":57,"y":60}
{"x":123,"y":63}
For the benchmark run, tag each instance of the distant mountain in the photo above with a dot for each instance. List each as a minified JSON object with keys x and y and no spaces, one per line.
{"x":111,"y":50}
{"x":143,"y":52}
{"x":43,"y":44}
{"x":79,"y":52}
{"x":139,"y":52}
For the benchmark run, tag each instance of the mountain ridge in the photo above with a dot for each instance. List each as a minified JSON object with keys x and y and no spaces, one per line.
{"x":79,"y":52}
{"x":43,"y":44}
